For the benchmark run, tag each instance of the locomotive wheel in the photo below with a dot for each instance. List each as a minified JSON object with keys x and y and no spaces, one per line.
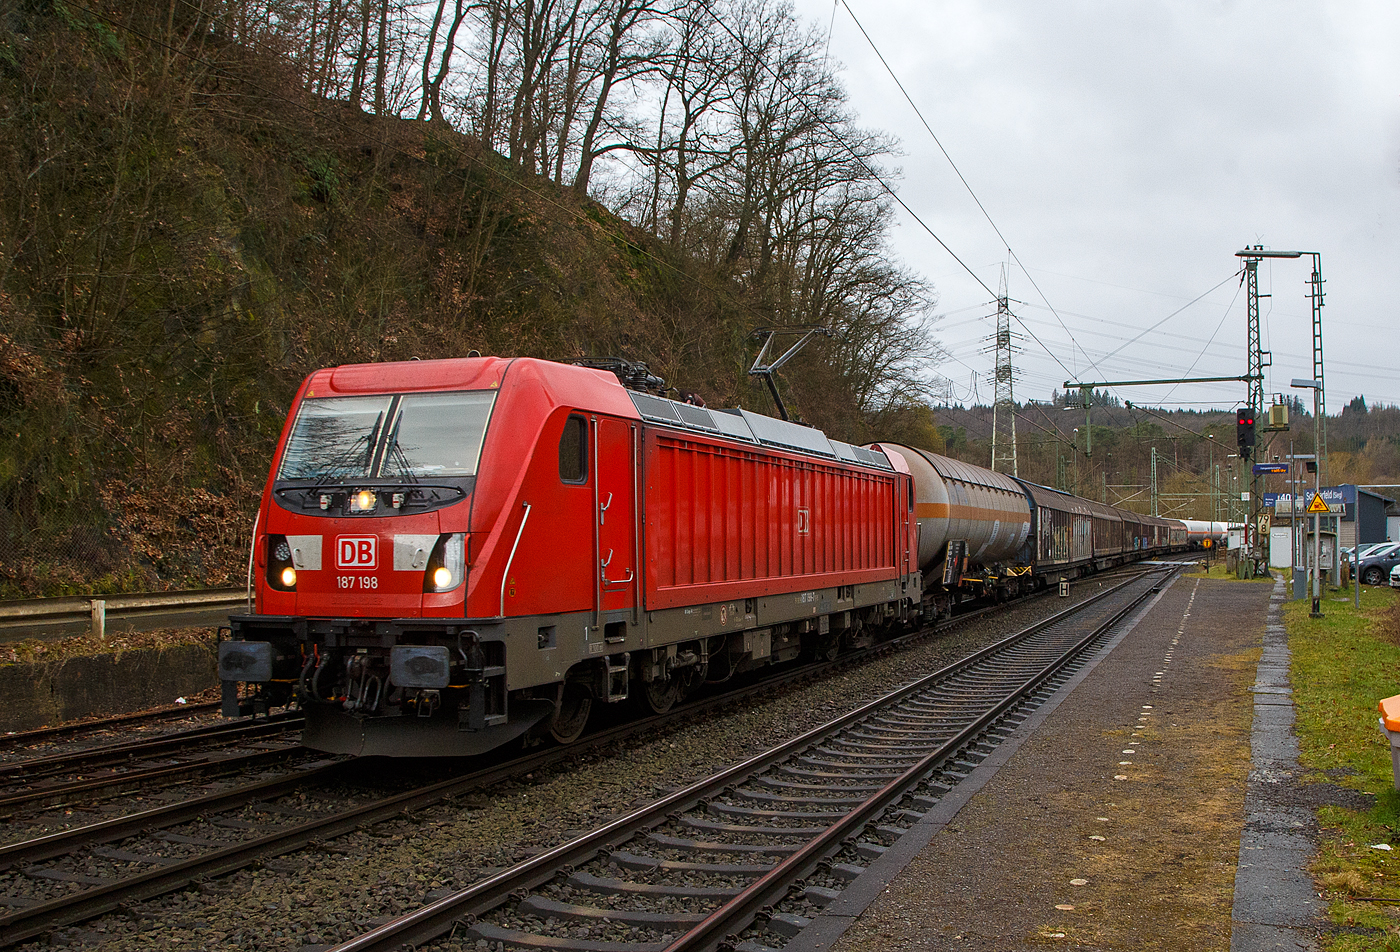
{"x":571,"y":713}
{"x":659,"y":695}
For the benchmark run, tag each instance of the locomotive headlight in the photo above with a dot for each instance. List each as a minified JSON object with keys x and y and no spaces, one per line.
{"x":363,"y":501}
{"x":447,"y":564}
{"x":281,"y":573}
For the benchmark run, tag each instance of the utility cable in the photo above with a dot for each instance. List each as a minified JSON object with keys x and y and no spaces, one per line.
{"x":841,"y":140}
{"x":1212,"y":336}
{"x":1178,"y":311}
{"x":909,"y":99}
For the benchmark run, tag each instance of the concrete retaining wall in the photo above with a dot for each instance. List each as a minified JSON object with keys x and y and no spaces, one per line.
{"x":50,"y":693}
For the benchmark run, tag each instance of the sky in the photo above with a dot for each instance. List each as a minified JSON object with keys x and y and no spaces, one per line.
{"x":1125,"y":151}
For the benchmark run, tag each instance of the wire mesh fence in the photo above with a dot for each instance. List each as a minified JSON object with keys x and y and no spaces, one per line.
{"x":140,"y":548}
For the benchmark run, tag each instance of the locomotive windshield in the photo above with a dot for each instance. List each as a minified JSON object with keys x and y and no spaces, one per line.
{"x":388,"y":436}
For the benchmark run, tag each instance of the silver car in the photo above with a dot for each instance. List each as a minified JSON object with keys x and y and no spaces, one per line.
{"x":1365,"y":549}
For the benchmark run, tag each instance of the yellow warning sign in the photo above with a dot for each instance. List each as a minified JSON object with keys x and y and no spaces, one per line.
{"x":1316,"y":504}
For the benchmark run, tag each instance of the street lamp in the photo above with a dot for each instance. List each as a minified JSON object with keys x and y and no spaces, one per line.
{"x":1316,"y":387}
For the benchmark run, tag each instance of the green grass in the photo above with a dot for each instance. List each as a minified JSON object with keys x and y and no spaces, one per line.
{"x":1343,"y":664}
{"x":1215,"y":568}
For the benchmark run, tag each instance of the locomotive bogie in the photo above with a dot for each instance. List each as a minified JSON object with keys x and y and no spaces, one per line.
{"x":496,"y":682}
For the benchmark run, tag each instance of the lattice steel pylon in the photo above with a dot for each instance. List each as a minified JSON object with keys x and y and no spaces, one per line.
{"x":1003,"y":396}
{"x":1315,"y":292}
{"x":1258,"y":361}
{"x":1255,"y":400}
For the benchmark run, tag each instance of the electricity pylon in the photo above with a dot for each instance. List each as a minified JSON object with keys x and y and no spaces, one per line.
{"x":1003,"y":397}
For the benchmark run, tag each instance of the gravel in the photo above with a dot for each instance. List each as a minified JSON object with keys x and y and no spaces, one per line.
{"x":325,"y":896}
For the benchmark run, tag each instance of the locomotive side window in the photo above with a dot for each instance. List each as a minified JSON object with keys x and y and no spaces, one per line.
{"x":573,"y":451}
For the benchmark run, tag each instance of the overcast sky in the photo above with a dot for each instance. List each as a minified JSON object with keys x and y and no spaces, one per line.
{"x":1126,"y":151}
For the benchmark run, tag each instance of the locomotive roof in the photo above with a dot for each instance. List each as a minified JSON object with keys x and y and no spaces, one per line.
{"x":594,"y":387}
{"x":738,"y":424}
{"x":459,"y":373}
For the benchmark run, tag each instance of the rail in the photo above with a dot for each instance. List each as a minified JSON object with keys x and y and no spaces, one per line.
{"x":96,"y":609}
{"x":978,"y":693}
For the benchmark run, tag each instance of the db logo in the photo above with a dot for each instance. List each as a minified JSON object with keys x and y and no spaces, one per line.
{"x":356,"y":552}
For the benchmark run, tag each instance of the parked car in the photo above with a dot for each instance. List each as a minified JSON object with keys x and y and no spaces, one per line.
{"x":1374,"y":566}
{"x":1395,"y":577}
{"x":1366,"y":548}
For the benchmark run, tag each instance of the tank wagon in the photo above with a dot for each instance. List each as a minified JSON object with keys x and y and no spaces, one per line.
{"x":1198,"y":531}
{"x":974,"y":529}
{"x":983,"y":533}
{"x":452,"y":554}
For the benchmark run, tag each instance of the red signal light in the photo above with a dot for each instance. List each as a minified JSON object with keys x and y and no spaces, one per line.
{"x":1244,"y":429}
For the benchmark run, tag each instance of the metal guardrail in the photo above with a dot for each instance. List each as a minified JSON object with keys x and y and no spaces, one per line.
{"x":95,"y":610}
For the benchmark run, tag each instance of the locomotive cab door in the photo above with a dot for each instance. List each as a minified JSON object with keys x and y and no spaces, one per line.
{"x":616,"y":542}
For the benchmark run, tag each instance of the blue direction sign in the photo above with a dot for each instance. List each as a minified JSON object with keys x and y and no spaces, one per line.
{"x":1260,"y":468}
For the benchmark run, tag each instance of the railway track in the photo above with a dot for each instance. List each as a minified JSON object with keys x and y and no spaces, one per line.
{"x":111,"y":770}
{"x":49,"y":735}
{"x":199,"y":738}
{"x":102,"y":772}
{"x":712,"y":864}
{"x":156,"y":851}
{"x":68,"y":877}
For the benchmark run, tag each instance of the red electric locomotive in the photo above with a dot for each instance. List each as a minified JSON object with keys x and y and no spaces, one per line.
{"x":451,"y":553}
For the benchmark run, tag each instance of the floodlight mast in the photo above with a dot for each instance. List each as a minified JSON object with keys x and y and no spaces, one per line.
{"x":1316,"y":387}
{"x":1251,"y":256}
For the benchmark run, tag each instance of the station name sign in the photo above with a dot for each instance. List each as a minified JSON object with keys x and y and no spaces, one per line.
{"x":1283,"y":502}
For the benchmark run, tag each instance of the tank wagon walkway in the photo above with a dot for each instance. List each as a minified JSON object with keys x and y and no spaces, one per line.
{"x":1140,"y":810}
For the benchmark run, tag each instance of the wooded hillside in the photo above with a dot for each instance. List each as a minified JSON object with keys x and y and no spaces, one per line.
{"x":204,"y":201}
{"x":207,"y":199}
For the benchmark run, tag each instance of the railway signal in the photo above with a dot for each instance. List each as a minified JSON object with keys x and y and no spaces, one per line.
{"x":1244,"y":430}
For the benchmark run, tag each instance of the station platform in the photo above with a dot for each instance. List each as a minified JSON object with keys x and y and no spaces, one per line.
{"x":1152,"y":804}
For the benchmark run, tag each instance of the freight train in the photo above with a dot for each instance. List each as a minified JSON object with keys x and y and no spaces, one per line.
{"x":1202,"y":534}
{"x":451,"y":555}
